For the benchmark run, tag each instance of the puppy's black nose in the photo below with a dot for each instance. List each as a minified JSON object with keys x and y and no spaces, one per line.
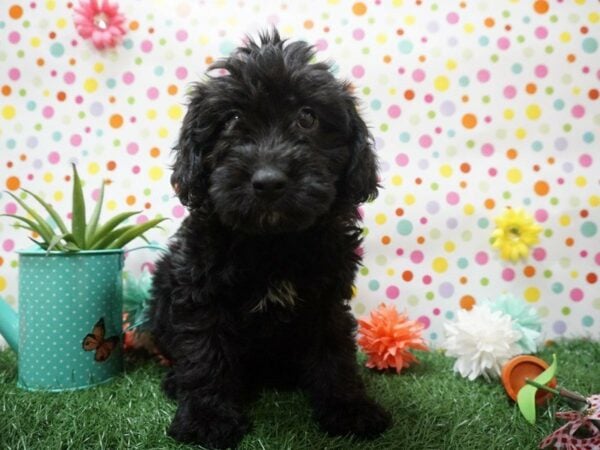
{"x":269,"y":182}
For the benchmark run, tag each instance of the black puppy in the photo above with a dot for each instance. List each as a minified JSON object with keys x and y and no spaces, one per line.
{"x":272,"y":161}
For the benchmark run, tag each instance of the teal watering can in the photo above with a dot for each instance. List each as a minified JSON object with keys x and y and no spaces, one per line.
{"x":67,"y":334}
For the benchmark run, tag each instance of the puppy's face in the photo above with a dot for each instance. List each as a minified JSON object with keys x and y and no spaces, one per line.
{"x":272,"y":142}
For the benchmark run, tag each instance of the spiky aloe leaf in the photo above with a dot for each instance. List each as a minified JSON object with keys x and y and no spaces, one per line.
{"x":95,"y":218}
{"x":54,"y":241}
{"x":110,"y":237}
{"x":69,"y":244}
{"x":109,"y":226}
{"x":82,"y":236}
{"x":78,"y":219}
{"x":70,"y":247}
{"x":68,"y":238}
{"x":135,"y":232}
{"x":23,"y":227}
{"x":42,"y":245}
{"x":50,"y":209}
{"x":55,"y":244}
{"x":31,"y":225}
{"x":46,"y":234}
{"x":45,"y":230}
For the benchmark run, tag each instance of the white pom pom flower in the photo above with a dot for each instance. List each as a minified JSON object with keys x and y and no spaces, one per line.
{"x":481,"y":340}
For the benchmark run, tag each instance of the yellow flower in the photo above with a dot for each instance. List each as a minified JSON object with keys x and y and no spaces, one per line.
{"x":515,"y":233}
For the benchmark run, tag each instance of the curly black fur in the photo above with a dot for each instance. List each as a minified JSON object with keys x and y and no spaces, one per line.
{"x":272,"y":161}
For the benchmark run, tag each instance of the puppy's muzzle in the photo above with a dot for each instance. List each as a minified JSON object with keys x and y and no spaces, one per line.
{"x":269,"y":183}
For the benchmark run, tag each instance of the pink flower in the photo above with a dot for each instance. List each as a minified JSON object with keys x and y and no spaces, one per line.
{"x":100,"y":21}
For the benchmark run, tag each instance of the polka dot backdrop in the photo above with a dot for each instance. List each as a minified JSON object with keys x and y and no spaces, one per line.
{"x":475,"y":106}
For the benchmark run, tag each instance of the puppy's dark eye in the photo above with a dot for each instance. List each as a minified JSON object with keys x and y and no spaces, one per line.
{"x":233,"y":118}
{"x":307,"y":120}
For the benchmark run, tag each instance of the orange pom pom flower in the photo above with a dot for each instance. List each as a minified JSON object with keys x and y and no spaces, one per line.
{"x":387,"y":338}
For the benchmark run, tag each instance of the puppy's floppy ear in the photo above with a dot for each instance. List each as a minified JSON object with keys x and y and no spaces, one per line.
{"x":361,"y":176}
{"x":193,"y":138}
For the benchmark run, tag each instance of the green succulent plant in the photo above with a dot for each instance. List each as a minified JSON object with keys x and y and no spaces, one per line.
{"x":83,"y":234}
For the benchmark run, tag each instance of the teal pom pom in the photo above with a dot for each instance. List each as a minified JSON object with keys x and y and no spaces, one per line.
{"x":136,"y":296}
{"x":524,"y":317}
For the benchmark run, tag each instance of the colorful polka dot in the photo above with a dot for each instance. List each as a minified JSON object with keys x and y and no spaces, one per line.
{"x":116,"y":120}
{"x":8,"y":112}
{"x":461,"y":132}
{"x":467,"y":302}
{"x":359,"y":8}
{"x":15,"y":12}
{"x":440,"y":265}
{"x":532,"y":294}
{"x":469,"y":120}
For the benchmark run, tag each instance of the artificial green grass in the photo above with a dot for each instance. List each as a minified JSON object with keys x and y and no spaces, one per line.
{"x":432,"y":409}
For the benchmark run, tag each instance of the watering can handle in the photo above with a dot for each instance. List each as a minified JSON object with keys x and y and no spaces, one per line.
{"x":149,"y":246}
{"x":9,"y":324}
{"x":142,"y":247}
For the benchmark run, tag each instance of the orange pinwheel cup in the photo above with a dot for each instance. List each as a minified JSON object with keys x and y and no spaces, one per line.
{"x":520,"y":368}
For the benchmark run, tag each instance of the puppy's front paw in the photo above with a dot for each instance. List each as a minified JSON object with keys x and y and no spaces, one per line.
{"x":216,"y":429}
{"x":363,"y":418}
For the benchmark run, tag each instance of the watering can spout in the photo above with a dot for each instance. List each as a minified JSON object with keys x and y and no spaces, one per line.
{"x":9,"y":324}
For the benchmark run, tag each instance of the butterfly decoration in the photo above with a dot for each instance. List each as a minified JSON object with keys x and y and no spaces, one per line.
{"x":96,"y":341}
